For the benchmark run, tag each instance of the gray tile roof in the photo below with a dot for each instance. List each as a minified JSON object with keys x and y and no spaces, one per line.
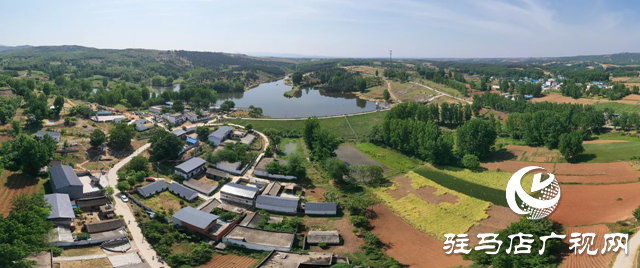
{"x":277,"y":201}
{"x":329,"y":237}
{"x":91,"y":202}
{"x":221,"y":132}
{"x":217,"y":172}
{"x":195,"y":217}
{"x":329,"y":207}
{"x":191,"y":164}
{"x":183,"y":191}
{"x":251,"y":220}
{"x":64,"y":176}
{"x":153,"y":187}
{"x":178,"y":132}
{"x":199,"y":186}
{"x":53,"y":134}
{"x":60,"y":206}
{"x":103,"y":226}
{"x":228,"y":167}
{"x":239,"y":190}
{"x":272,"y":189}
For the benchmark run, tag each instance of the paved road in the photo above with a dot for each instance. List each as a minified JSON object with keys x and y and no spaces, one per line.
{"x":129,"y":219}
{"x":626,"y":260}
{"x":443,"y":93}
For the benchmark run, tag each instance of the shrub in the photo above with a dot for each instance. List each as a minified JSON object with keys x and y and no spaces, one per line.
{"x":636,"y":213}
{"x":470,"y":161}
{"x":84,"y":236}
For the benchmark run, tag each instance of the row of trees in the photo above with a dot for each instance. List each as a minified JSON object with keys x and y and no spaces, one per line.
{"x":616,"y":92}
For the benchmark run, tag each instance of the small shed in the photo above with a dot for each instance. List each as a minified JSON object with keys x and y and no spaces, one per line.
{"x":277,"y":204}
{"x":152,"y":188}
{"x":182,"y":191}
{"x":216,"y":174}
{"x":327,"y":237}
{"x":103,"y":226}
{"x":311,"y":208}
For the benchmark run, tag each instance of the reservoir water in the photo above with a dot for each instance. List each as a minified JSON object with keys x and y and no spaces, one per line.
{"x":306,"y":102}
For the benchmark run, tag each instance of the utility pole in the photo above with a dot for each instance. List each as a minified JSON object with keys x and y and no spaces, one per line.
{"x":390,"y":59}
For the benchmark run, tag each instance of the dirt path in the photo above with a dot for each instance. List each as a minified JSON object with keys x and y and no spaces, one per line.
{"x":443,"y":93}
{"x":354,"y":132}
{"x":393,"y":95}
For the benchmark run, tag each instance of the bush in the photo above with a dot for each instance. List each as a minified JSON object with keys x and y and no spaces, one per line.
{"x":470,"y":161}
{"x":84,"y":236}
{"x":322,"y":245}
{"x":636,"y":213}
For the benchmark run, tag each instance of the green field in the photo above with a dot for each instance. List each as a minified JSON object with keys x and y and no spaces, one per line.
{"x":618,"y":107}
{"x":633,"y":80}
{"x":375,"y":92}
{"x":388,"y":157}
{"x":487,"y":185}
{"x":361,"y":124}
{"x":298,"y":142}
{"x":439,"y":87}
{"x":609,"y":152}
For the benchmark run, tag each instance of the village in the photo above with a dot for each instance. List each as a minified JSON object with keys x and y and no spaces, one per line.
{"x":224,"y":203}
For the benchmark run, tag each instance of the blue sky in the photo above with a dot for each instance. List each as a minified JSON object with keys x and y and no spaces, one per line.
{"x":338,"y":28}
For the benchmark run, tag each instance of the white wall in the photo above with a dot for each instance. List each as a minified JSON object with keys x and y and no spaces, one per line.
{"x":274,"y":208}
{"x":254,"y":246}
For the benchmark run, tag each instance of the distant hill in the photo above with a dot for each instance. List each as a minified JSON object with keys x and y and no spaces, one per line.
{"x":5,"y":48}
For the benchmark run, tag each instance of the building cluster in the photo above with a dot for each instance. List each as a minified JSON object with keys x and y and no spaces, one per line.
{"x":178,"y":118}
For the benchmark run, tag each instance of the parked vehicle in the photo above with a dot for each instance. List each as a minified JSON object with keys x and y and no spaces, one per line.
{"x":150,"y":179}
{"x":124,"y":198}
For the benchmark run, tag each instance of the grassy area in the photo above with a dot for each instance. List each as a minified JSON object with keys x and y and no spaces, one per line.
{"x":609,"y":152}
{"x":439,"y":87}
{"x":435,"y":220}
{"x":618,"y":107}
{"x":388,"y":157}
{"x":633,"y":80}
{"x":81,"y":251}
{"x":297,"y":141}
{"x":374,"y":92}
{"x":487,"y":185}
{"x":361,"y":124}
{"x":167,"y":201}
{"x":95,"y":263}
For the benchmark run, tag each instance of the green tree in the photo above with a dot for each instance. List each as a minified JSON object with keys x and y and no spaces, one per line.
{"x":268,"y":152}
{"x":249,"y":127}
{"x":376,"y":72}
{"x":296,"y":78}
{"x":60,"y":80}
{"x":336,"y":169}
{"x":476,"y":137}
{"x":311,"y":125}
{"x":227,"y":105}
{"x":255,"y":111}
{"x":139,"y":163}
{"x":165,"y":145}
{"x":635,"y":90}
{"x":97,"y":138}
{"x":120,"y":135}
{"x":145,"y":92}
{"x":46,"y":89}
{"x":169,"y":80}
{"x":17,"y":129}
{"x":178,"y":106}
{"x":123,"y":186}
{"x":105,"y":81}
{"x":203,"y":133}
{"x":34,"y":154}
{"x":470,"y":161}
{"x":636,"y":213}
{"x":570,"y":145}
{"x":386,"y":95}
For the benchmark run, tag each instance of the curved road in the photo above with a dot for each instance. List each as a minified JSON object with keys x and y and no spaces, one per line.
{"x":123,"y":209}
{"x":626,"y":260}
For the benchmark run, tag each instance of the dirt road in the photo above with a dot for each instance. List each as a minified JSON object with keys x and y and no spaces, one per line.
{"x":443,"y":93}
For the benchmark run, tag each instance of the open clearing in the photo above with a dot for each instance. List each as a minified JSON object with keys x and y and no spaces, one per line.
{"x":609,"y":152}
{"x":412,"y":92}
{"x":95,"y":263}
{"x":229,"y":261}
{"x":354,"y":157}
{"x":592,"y":204}
{"x":166,"y":201}
{"x":409,"y":246}
{"x":585,"y":260}
{"x":602,"y":141}
{"x":350,"y":241}
{"x":388,"y":157}
{"x":13,"y":184}
{"x":361,"y":124}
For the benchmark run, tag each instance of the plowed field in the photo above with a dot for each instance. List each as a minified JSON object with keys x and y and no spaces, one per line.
{"x":584,"y":260}
{"x":229,"y":261}
{"x":13,"y":184}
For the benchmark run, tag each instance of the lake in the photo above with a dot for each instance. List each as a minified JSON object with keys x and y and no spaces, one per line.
{"x":306,"y":102}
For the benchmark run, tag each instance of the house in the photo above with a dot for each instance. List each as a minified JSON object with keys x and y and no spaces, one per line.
{"x":327,"y":237}
{"x":176,"y":119}
{"x":311,"y":208}
{"x":91,"y":204}
{"x":221,"y":134}
{"x":169,"y":103}
{"x":201,"y":222}
{"x":191,"y":167}
{"x":64,"y":180}
{"x":199,"y":186}
{"x":152,"y":188}
{"x":248,"y":139}
{"x":216,"y":174}
{"x":229,"y":167}
{"x":61,"y":209}
{"x":104,"y":226}
{"x":285,"y":259}
{"x":107,"y":211}
{"x":239,"y":194}
{"x":143,"y":124}
{"x":181,"y":133}
{"x":273,"y":189}
{"x":191,"y":116}
{"x":277,"y":204}
{"x":238,"y":134}
{"x":251,"y":220}
{"x":155,"y":109}
{"x":182,"y":191}
{"x":259,"y":239}
{"x":55,"y":135}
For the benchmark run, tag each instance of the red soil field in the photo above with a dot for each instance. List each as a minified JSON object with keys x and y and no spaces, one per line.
{"x":513,"y":166}
{"x":13,"y":184}
{"x":229,"y":261}
{"x":596,"y":172}
{"x":408,"y":245}
{"x":592,"y":204}
{"x":499,"y":219}
{"x":584,"y":260}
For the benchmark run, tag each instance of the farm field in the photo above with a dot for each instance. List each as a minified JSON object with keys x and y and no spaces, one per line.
{"x":374,"y":92}
{"x":633,"y":80}
{"x":388,"y":157}
{"x":431,"y":208}
{"x":361,"y":124}
{"x":618,"y":107}
{"x":583,"y":260}
{"x":354,"y":157}
{"x":408,"y":245}
{"x":592,"y":204}
{"x":14,"y":184}
{"x":609,"y":152}
{"x":488,"y":185}
{"x":229,"y":261}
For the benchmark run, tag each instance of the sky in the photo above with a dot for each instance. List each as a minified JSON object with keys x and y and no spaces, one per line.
{"x":332,"y":28}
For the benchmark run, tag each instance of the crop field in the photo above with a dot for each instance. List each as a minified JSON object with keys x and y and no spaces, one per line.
{"x":13,"y":184}
{"x":229,"y":261}
{"x":408,"y":245}
{"x":609,"y":152}
{"x":433,"y":217}
{"x":388,"y":157}
{"x":584,"y":260}
{"x":361,"y":124}
{"x":618,"y":107}
{"x":488,"y":185}
{"x":633,"y":80}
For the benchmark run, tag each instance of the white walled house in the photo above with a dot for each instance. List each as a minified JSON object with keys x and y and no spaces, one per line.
{"x":143,"y":124}
{"x":277,"y":204}
{"x":239,"y":194}
{"x":155,"y":109}
{"x":191,"y":116}
{"x":191,"y":167}
{"x":176,"y":119}
{"x":220,"y":135}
